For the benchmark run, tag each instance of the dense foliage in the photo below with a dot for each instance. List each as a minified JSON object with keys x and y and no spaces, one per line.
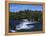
{"x":26,"y":14}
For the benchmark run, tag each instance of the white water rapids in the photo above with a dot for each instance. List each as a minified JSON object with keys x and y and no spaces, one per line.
{"x":24,"y":24}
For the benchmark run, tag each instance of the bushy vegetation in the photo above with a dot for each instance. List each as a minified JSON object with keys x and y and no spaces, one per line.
{"x":26,"y":14}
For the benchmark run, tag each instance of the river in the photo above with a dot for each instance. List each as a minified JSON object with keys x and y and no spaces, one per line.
{"x":25,"y":26}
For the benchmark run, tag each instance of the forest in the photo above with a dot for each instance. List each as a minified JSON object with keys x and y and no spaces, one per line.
{"x":26,"y":14}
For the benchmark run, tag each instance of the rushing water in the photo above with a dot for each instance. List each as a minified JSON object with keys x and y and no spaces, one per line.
{"x":25,"y":26}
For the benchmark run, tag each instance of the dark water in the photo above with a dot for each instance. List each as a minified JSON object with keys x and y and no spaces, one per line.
{"x":14,"y":23}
